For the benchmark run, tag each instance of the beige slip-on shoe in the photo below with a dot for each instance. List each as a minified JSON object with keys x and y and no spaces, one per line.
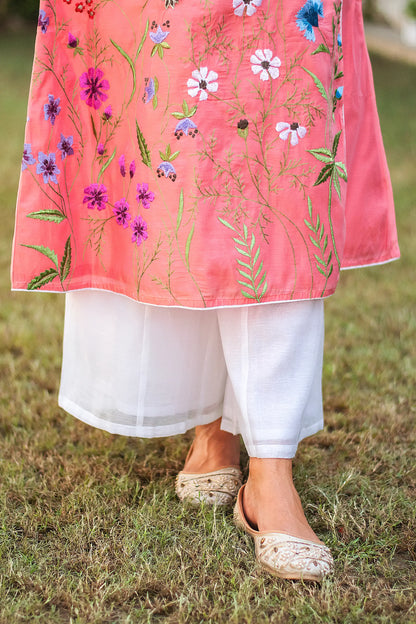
{"x":219,"y":487}
{"x":284,"y":555}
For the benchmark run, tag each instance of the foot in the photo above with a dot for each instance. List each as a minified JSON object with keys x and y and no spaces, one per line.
{"x":212,"y":449}
{"x":271,"y":502}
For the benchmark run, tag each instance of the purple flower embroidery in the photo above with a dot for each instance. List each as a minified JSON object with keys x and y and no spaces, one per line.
{"x":27,"y":156}
{"x":52,"y":109}
{"x":43,"y":21}
{"x":96,"y":196}
{"x":72,"y":41}
{"x":144,"y":195}
{"x":65,"y":145}
{"x":121,"y":210}
{"x":100,"y":149}
{"x":185,"y":126}
{"x":158,"y":36}
{"x":94,"y":86}
{"x":108,"y":112}
{"x":47,"y":167}
{"x":139,"y":227}
{"x":132,"y":169}
{"x":166,"y":169}
{"x":149,"y":90}
{"x":122,"y":165}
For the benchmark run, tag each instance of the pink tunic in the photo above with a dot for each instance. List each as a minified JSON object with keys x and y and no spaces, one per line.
{"x":197,"y":154}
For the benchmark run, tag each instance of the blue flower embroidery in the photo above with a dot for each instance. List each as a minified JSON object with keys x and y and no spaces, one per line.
{"x":52,"y":109}
{"x":149,"y":90}
{"x":158,"y":36}
{"x":308,"y":16}
{"x":65,"y":145}
{"x":47,"y":167}
{"x":43,"y":21}
{"x":158,"y":39}
{"x":185,"y":126}
{"x":166,"y":169}
{"x":27,"y":156}
{"x":339,"y":93}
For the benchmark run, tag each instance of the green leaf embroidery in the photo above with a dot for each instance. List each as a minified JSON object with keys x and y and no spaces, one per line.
{"x":106,"y":164}
{"x":133,"y":69}
{"x":228,"y":225}
{"x":188,"y":245}
{"x":318,"y":84}
{"x":144,"y":150}
{"x":49,"y":253}
{"x":180,"y":211}
{"x":319,"y":239}
{"x":43,"y":278}
{"x":47,"y":215}
{"x":65,"y":265}
{"x":321,"y":48}
{"x":142,"y":40}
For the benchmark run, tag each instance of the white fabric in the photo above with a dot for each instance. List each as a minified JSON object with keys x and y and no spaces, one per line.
{"x":148,"y":371}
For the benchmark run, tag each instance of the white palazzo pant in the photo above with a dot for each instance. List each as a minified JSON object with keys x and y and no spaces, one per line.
{"x":148,"y":371}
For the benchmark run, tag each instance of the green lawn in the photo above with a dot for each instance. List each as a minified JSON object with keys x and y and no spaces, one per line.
{"x":91,"y":531}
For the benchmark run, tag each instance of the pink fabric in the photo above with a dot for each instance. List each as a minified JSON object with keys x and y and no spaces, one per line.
{"x":194,"y":155}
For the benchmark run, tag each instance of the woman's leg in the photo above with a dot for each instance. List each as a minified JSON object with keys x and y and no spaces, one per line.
{"x":274,"y":399}
{"x":212,"y":449}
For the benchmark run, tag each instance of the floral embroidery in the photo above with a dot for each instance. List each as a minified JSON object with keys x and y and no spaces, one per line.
{"x":294,"y":130}
{"x":249,"y":5}
{"x":339,"y":92}
{"x":122,"y":165}
{"x":185,"y":126}
{"x":201,"y":82}
{"x":93,"y":87}
{"x":149,"y":90}
{"x":144,"y":196}
{"x":47,"y":167}
{"x":308,"y":18}
{"x":139,"y":227}
{"x":96,"y":196}
{"x":43,"y":21}
{"x":235,"y":175}
{"x":28,"y":158}
{"x":166,"y":169}
{"x":108,"y":113}
{"x":170,"y":4}
{"x":121,"y":211}
{"x":242,"y":128}
{"x":132,"y":169}
{"x":72,"y":41}
{"x":65,"y":145}
{"x":264,"y":64}
{"x":52,"y":109}
{"x":158,"y":39}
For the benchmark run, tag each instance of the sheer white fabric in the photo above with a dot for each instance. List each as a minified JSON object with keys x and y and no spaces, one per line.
{"x":148,"y":371}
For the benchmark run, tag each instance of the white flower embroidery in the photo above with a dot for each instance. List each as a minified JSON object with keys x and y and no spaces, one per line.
{"x":294,"y":129}
{"x":202,"y":82}
{"x":264,"y":64}
{"x":240,"y":5}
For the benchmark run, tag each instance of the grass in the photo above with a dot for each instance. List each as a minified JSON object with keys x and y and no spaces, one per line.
{"x":91,"y":531}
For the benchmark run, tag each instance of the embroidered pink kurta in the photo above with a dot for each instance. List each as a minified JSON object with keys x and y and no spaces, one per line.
{"x":201,"y":153}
